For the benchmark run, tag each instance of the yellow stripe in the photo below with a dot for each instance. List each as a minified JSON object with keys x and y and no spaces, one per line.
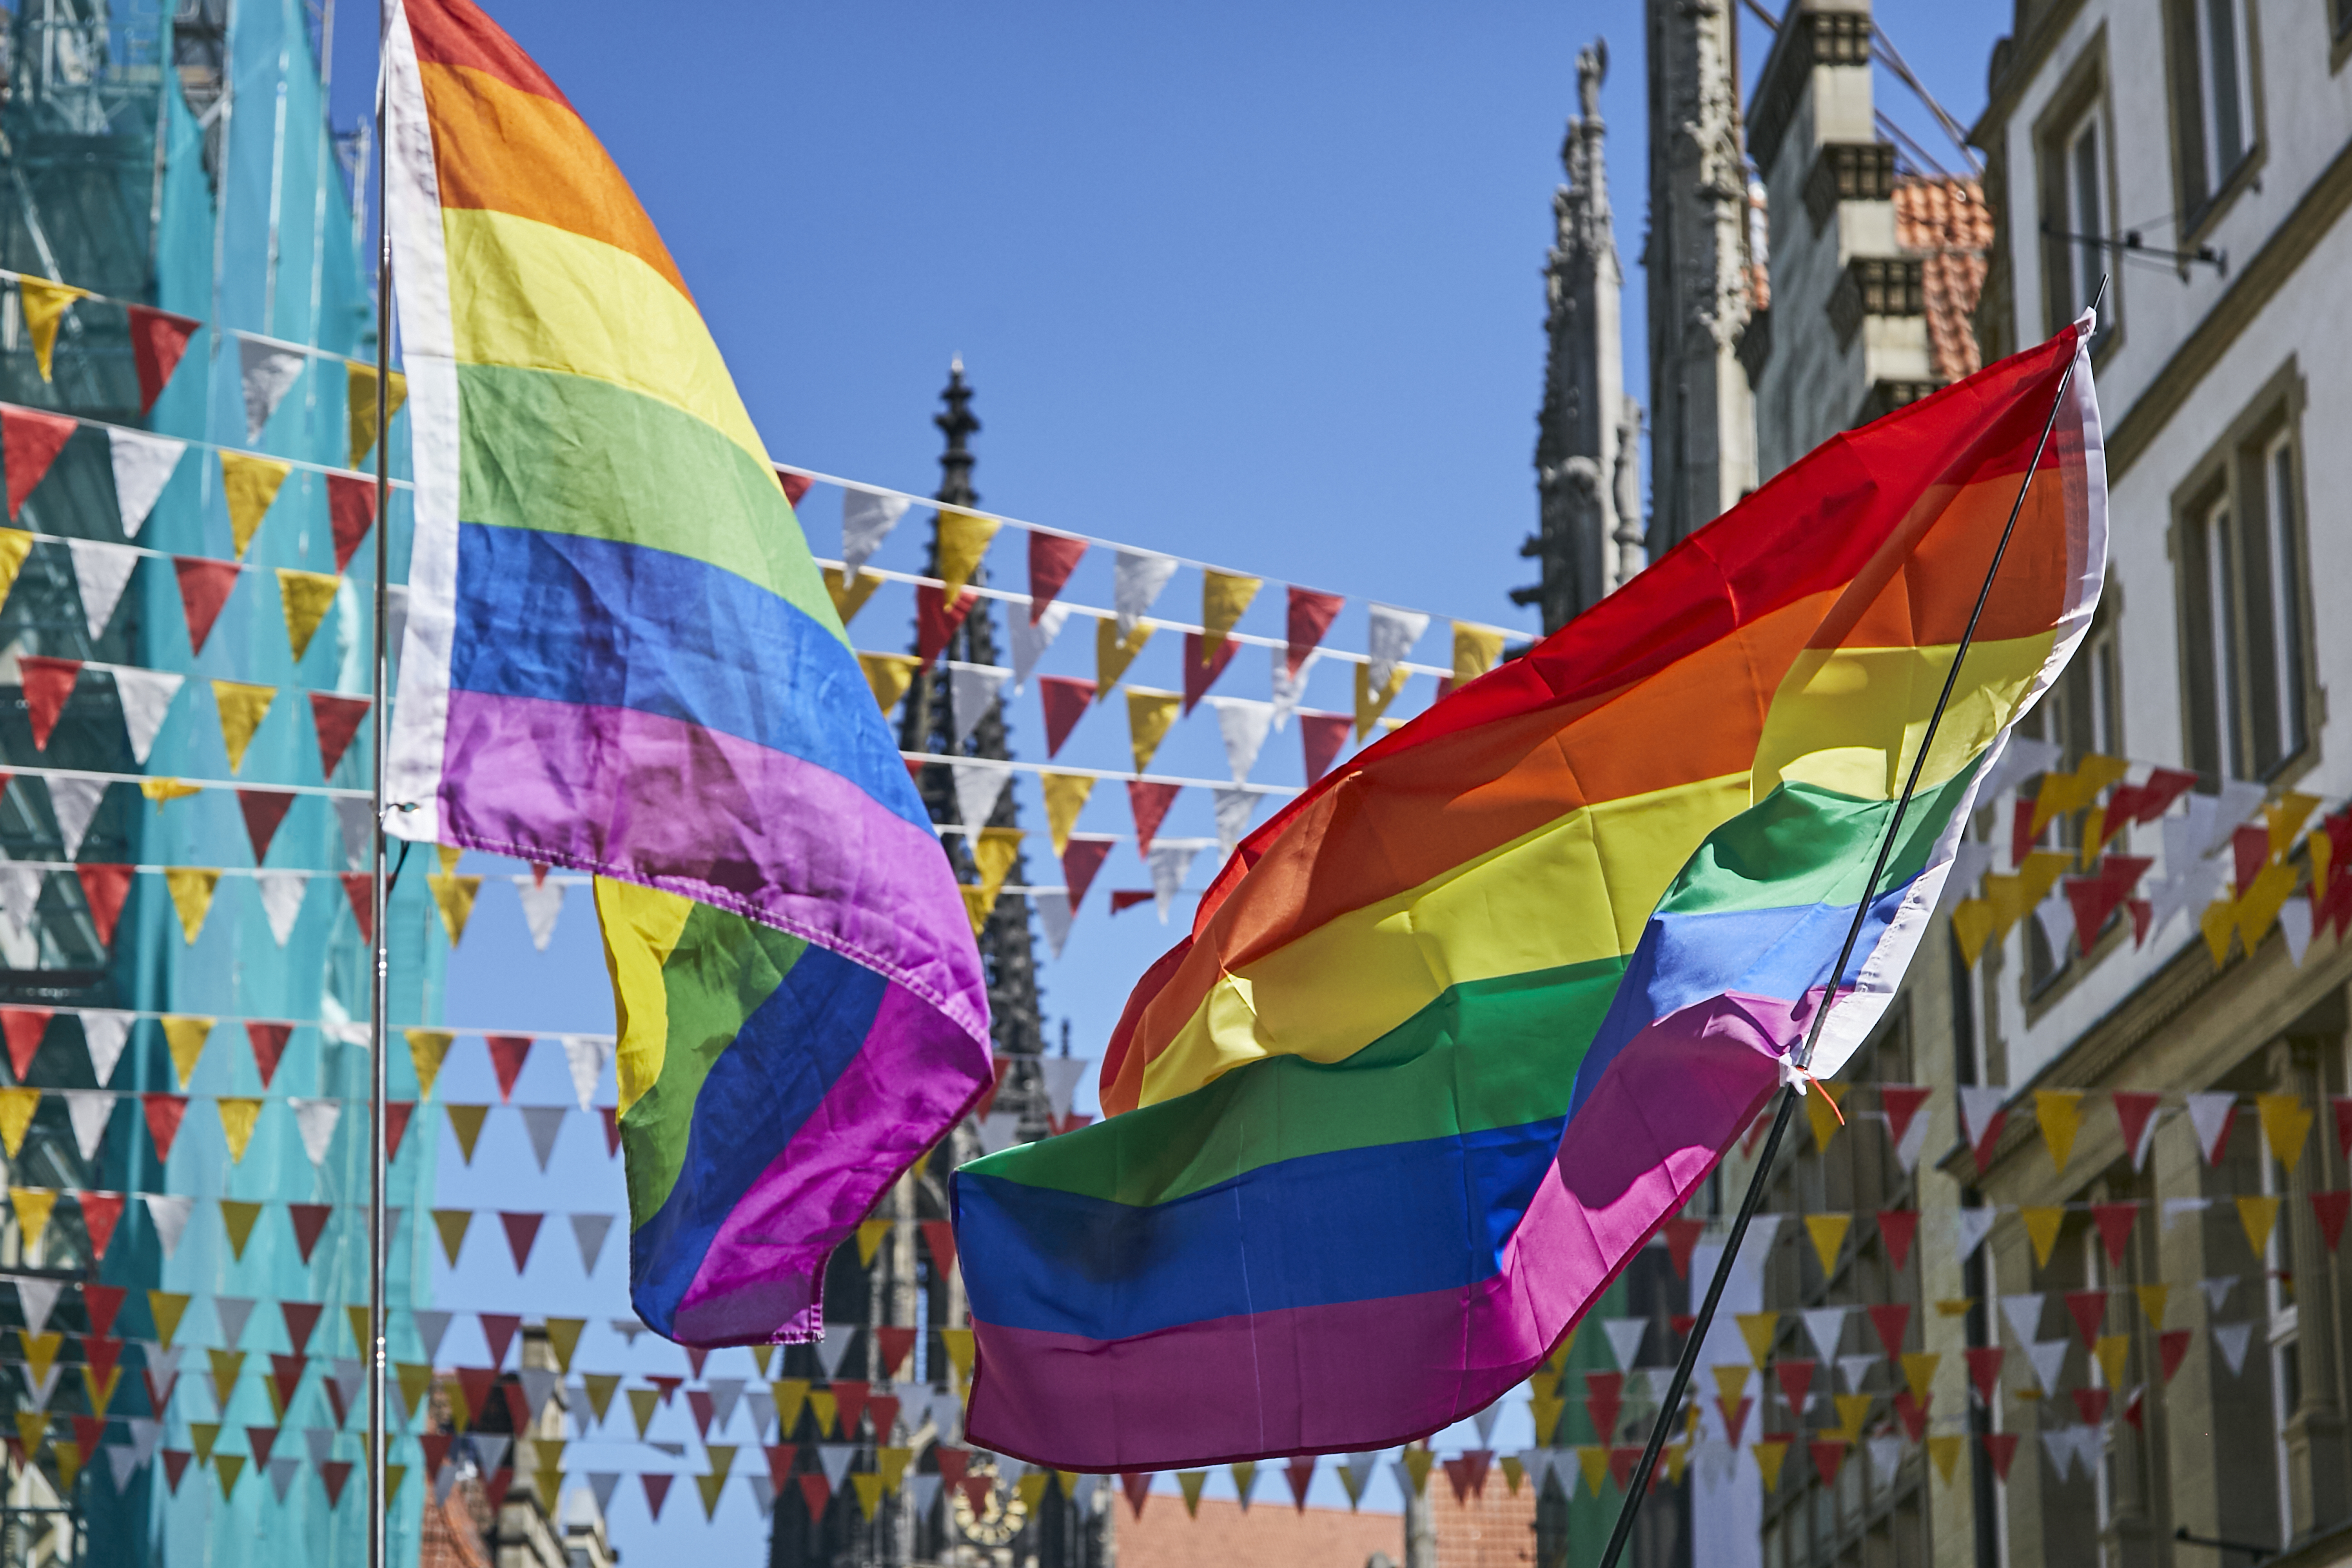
{"x":642,"y":926}
{"x":1577,"y":889}
{"x":529,"y":295}
{"x":1837,"y":708}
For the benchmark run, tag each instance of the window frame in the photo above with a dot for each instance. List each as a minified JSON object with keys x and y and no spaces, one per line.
{"x":2080,"y":103}
{"x":2204,"y":193}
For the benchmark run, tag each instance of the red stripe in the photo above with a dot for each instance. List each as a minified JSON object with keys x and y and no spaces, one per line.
{"x":457,"y":33}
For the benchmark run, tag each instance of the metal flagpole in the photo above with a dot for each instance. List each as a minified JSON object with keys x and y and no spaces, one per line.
{"x":378,"y":935}
{"x":1802,"y":1061}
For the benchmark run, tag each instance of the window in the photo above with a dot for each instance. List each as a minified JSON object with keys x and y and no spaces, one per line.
{"x":2212,"y":95}
{"x":2085,"y":210}
{"x":2075,"y":153}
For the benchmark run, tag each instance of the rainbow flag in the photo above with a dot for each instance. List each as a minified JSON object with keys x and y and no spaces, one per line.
{"x":1458,"y":1031}
{"x":620,"y":659}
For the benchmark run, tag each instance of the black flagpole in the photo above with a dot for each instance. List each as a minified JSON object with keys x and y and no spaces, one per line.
{"x":1639,"y":1484}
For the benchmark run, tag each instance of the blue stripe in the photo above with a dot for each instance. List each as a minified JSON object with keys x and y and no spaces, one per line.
{"x":566,"y":619}
{"x":1359,"y":1224}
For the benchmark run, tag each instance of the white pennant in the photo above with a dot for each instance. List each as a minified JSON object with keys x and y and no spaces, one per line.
{"x":601,"y":1484}
{"x":2024,"y":1314}
{"x":1063,"y":1076}
{"x":2058,"y":1442}
{"x":1390,"y":636}
{"x":1242,"y":723}
{"x":2231,"y":1339}
{"x":866,"y":519}
{"x":101,"y":572}
{"x":103,"y":1033}
{"x":2238,"y":801}
{"x":1914,"y":1142}
{"x":999,"y":1131}
{"x":144,"y":696}
{"x":724,"y":1393}
{"x":1029,"y":642}
{"x":74,"y":800}
{"x":146,"y":1436}
{"x":589,"y":1231}
{"x":1971,"y":1227}
{"x":432,"y":1324}
{"x":1885,"y":1454}
{"x":1852,"y":1369}
{"x":971,"y":692}
{"x":40,"y":1299}
{"x":2021,"y":759}
{"x":2217,"y":1292}
{"x":542,"y":900}
{"x":20,"y":898}
{"x":539,"y":1386}
{"x":1288,"y":688}
{"x":833,"y":1346}
{"x":2174,"y":1208}
{"x":2055,"y":915}
{"x":142,"y":464}
{"x":1978,"y":1105}
{"x":543,"y":1122}
{"x":282,"y":1472}
{"x":1234,"y":809}
{"x":763,"y":1406}
{"x":315,"y":1120}
{"x":267,"y":373}
{"x":2048,"y":1358}
{"x":1170,"y":863}
{"x":124,"y":1463}
{"x":1827,"y":1327}
{"x":91,"y":1110}
{"x":923,"y":1488}
{"x":1136,"y":582}
{"x":835,"y":1459}
{"x":44,"y":1385}
{"x":356,"y":818}
{"x":169,"y":1215}
{"x":1053,"y":909}
{"x":1484,"y":1422}
{"x":321,"y":1441}
{"x":233,"y":1312}
{"x":586,"y":1055}
{"x":2209,"y":1113}
{"x":978,"y":787}
{"x":1971,"y":861}
{"x":2294,"y":925}
{"x":281,"y":900}
{"x":1625,"y":1336}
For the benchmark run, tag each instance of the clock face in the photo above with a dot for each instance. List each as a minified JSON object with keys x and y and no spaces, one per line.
{"x":997,"y":1522}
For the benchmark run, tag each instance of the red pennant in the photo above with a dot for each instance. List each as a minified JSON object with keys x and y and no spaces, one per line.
{"x":264,"y":810}
{"x":1735,"y":1417}
{"x":204,"y":588}
{"x":1913,"y":1413}
{"x":1897,"y":1228}
{"x":1796,"y":1377}
{"x":1300,"y":1472}
{"x":501,"y":1328}
{"x":1604,"y":1396}
{"x":1311,"y":615}
{"x":987,"y":1100}
{"x":2250,"y":846}
{"x":286,"y":1376}
{"x":309,"y":1224}
{"x":2142,"y":912}
{"x":47,"y":683}
{"x":335,"y":1400}
{"x":1321,"y":735}
{"x":1682,"y":1323}
{"x":2170,"y":1346}
{"x":1467,"y":1471}
{"x":2133,"y":1410}
{"x":396,"y":1113}
{"x":935,"y":624}
{"x":335,"y":720}
{"x":1065,"y":698}
{"x":1149,"y":803}
{"x":103,"y":888}
{"x":695,"y":1357}
{"x":101,"y":1212}
{"x":1827,"y":1458}
{"x":103,"y":1302}
{"x":1891,"y":1318}
{"x":938,"y":1235}
{"x":612,"y":1129}
{"x":1901,"y":1101}
{"x":24,"y":1028}
{"x":1201,"y":672}
{"x":351,"y":508}
{"x":2164,"y":786}
{"x":163,"y":1114}
{"x":1682,"y":1240}
{"x":476,"y":1383}
{"x":522,"y":1229}
{"x":29,"y":442}
{"x":1080,"y":861}
{"x":2021,"y":831}
{"x":517,"y":1411}
{"x":334,"y":1473}
{"x":1125,"y":898}
{"x":158,"y":339}
{"x":779,"y":1464}
{"x":301,"y":1318}
{"x":2094,"y":901}
{"x":657,"y":1484}
{"x":952,"y":1463}
{"x":1983,"y":1150}
{"x":2091,"y":1402}
{"x":896,"y":1345}
{"x":2133,"y":1109}
{"x":698,"y":1401}
{"x":666,"y":1386}
{"x":1137,"y":1484}
{"x":850,"y":1395}
{"x":1984,"y":1371}
{"x":268,"y":1046}
{"x":507,"y":1053}
{"x":816,"y":1491}
{"x":176,"y":1464}
{"x":1052,"y":559}
{"x":362,"y":895}
{"x":2115,"y":1223}
{"x":2090,"y":1310}
{"x":437,"y":1450}
{"x":795,"y":485}
{"x":89,"y":1431}
{"x":2329,"y":1209}
{"x":883,"y":1410}
{"x":1623,"y":1457}
{"x":501,"y":1481}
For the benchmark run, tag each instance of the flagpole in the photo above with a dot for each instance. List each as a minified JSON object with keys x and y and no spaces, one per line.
{"x":378,"y":931}
{"x":1639,"y":1484}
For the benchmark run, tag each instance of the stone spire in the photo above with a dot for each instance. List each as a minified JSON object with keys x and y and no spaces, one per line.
{"x":1590,"y":536}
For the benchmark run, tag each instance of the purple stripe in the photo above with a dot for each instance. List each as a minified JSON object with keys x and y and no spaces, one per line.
{"x":1370,"y":1374}
{"x":887,"y":1106}
{"x":608,"y":790}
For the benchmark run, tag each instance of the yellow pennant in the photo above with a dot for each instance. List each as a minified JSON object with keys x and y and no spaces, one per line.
{"x":307,"y":597}
{"x":2285,"y":817}
{"x":1066,"y":796}
{"x":45,"y":306}
{"x":358,"y":1318}
{"x":1370,"y":705}
{"x":165,"y":1308}
{"x":1821,"y":1111}
{"x":191,"y":888}
{"x":161,"y":790}
{"x":993,"y":852}
{"x":1593,"y":1460}
{"x":790,"y":1395}
{"x":31,"y":1205}
{"x":41,"y":1351}
{"x":642,"y":1402}
{"x":849,"y":597}
{"x":1972,"y":924}
{"x":249,"y":484}
{"x":2219,"y":919}
{"x":454,"y":897}
{"x":1513,"y":1471}
{"x":1188,"y":1482}
{"x":1476,"y":650}
{"x":2042,"y":1225}
{"x":1113,"y":653}
{"x":1417,"y":1461}
{"x":1757,"y":1329}
{"x":2063,"y":793}
{"x":16,"y":544}
{"x":1677,"y":1458}
{"x":761,"y":1356}
{"x":202,"y":1435}
{"x":1920,"y":1373}
{"x":16,"y":1107}
{"x":563,"y":1338}
{"x":2287,"y":1125}
{"x":32,"y":1425}
{"x":415,"y":1379}
{"x":1954,"y":1306}
{"x":238,"y":1113}
{"x":237,"y":1218}
{"x":823,"y":1404}
{"x":2259,"y":1216}
{"x":1148,"y":715}
{"x":360,"y":401}
{"x":957,"y":1343}
{"x":187,"y":1035}
{"x":891,"y":1463}
{"x":870,"y":1236}
{"x":427,"y":1050}
{"x":1944,"y":1451}
{"x":242,"y":709}
{"x":888,"y":676}
{"x":2151,"y":1302}
{"x":978,"y":905}
{"x":1548,"y":1408}
{"x":600,"y":1387}
{"x":1828,"y":1231}
{"x":393,"y":1476}
{"x":1731,"y":1384}
{"x":2111,"y":1351}
{"x":1223,"y":597}
{"x":466,"y":1126}
{"x":1031,"y":1487}
{"x":963,"y":539}
{"x":102,"y":1394}
{"x":2040,"y":874}
{"x":2258,"y":910}
{"x":1853,"y":1409}
{"x":1768,"y":1459}
{"x":2059,"y":1113}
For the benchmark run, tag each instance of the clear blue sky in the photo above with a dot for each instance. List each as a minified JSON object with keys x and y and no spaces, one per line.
{"x":1257,"y":285}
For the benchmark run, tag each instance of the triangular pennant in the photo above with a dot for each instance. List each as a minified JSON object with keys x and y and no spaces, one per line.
{"x":2135,"y":1117}
{"x":466,"y":1125}
{"x":316,"y":1120}
{"x":30,"y":441}
{"x":266,"y":373}
{"x":1202,"y":667}
{"x":427,"y":1048}
{"x":971,"y":691}
{"x":2286,"y":1127}
{"x":2041,"y":1226}
{"x":978,"y":786}
{"x":242,"y":708}
{"x":2259,"y":1216}
{"x":47,"y":683}
{"x":1150,"y":804}
{"x":1148,"y":716}
{"x":866,"y":519}
{"x":74,"y":800}
{"x":90,"y":1110}
{"x":101,"y":572}
{"x":1828,"y":1234}
{"x":237,"y":1220}
{"x":542,"y":1123}
{"x":305,"y":597}
{"x":310,"y":1219}
{"x":2058,"y":1112}
{"x":158,"y":339}
{"x":963,"y":539}
{"x":205,"y":586}
{"x":1372,"y":700}
{"x":2211,"y":1114}
{"x":144,"y":695}
{"x":192,"y":889}
{"x":360,"y":396}
{"x":281,"y":900}
{"x":1030,"y":638}
{"x":1114,"y":652}
{"x":249,"y":484}
{"x":1321,"y":736}
{"x":454,"y":898}
{"x":239,"y":1115}
{"x":523,"y":1233}
{"x":936,"y":621}
{"x":1389,"y":635}
{"x":164,"y":1113}
{"x":45,"y":304}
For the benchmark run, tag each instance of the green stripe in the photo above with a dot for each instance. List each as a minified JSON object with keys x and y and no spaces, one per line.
{"x":1830,"y":840}
{"x":568,"y":454}
{"x":722,"y":969}
{"x":1485,"y":1054}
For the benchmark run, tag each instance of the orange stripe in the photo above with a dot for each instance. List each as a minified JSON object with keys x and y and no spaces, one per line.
{"x":499,"y":149}
{"x":1918,"y":587}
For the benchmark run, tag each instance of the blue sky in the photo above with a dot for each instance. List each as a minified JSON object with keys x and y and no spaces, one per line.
{"x":1253,"y":285}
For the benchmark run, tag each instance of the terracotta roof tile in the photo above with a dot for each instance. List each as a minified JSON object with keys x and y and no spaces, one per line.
{"x":1947,"y":220}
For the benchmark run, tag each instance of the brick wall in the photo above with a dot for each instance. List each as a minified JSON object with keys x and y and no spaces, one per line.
{"x":1272,"y":1534}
